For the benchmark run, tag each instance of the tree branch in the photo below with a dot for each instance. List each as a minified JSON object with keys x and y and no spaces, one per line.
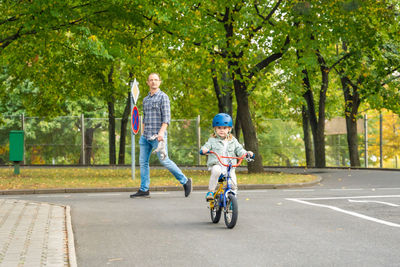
{"x":14,"y":18}
{"x":340,"y":60}
{"x":270,"y":13}
{"x":264,"y":63}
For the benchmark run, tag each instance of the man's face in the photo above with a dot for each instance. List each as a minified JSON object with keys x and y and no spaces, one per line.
{"x":153,"y":81}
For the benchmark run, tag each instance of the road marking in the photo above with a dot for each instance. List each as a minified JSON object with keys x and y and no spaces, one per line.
{"x":119,"y":194}
{"x":298,"y":190}
{"x":393,"y":188}
{"x":365,"y":217}
{"x":104,"y":194}
{"x":47,"y":196}
{"x":347,"y":189}
{"x":330,"y":198}
{"x":379,"y":202}
{"x":253,"y":191}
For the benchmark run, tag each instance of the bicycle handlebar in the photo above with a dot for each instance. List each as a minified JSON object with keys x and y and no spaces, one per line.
{"x":240,"y":159}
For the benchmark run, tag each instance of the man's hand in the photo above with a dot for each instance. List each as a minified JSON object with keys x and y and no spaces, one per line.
{"x":161,"y":132}
{"x":160,"y":136}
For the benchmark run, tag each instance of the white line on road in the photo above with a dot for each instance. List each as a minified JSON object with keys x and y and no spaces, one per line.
{"x":119,"y":194}
{"x":329,"y":198}
{"x":103,"y":195}
{"x":298,"y":190}
{"x":347,"y":189}
{"x":346,"y":211}
{"x":393,"y":188}
{"x":47,"y":196}
{"x":372,"y":201}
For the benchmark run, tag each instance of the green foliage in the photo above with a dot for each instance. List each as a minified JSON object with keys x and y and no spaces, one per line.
{"x":73,"y":56}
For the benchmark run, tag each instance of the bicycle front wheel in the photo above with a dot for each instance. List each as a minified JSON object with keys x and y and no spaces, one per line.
{"x":215,"y":210}
{"x":231,"y":211}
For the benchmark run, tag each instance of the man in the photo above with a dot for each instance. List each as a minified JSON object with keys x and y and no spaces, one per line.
{"x":156,"y":118}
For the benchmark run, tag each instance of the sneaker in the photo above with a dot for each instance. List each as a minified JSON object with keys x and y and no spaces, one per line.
{"x":141,"y":193}
{"x":210,"y":196}
{"x":188,"y":187}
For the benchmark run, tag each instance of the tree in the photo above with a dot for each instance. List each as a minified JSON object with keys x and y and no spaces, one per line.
{"x":237,"y":36}
{"x":373,"y":62}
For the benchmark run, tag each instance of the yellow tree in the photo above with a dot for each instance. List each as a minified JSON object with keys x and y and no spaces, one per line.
{"x":390,"y":139}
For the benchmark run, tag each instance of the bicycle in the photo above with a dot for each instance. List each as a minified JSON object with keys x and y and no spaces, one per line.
{"x":224,"y":197}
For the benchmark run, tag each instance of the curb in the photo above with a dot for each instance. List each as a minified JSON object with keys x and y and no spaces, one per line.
{"x":70,"y":236}
{"x":153,"y":188}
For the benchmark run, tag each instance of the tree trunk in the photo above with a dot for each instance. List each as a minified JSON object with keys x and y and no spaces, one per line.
{"x":124,"y":123}
{"x":318,"y":124}
{"x":89,"y":133}
{"x":111,"y":119}
{"x":352,"y":102}
{"x":248,"y":129}
{"x":224,"y":96}
{"x":88,"y":146}
{"x":238,"y":127}
{"x":111,"y":132}
{"x":310,"y":160}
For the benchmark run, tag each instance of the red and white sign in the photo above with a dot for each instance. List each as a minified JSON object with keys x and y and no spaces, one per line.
{"x":135,"y":120}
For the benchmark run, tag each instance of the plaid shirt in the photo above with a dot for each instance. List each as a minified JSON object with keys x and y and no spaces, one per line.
{"x":156,"y":111}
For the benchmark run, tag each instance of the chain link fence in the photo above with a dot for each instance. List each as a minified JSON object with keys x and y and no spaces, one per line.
{"x":58,"y":141}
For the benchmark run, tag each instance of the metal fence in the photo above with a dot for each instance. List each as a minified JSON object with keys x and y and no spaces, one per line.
{"x":58,"y":141}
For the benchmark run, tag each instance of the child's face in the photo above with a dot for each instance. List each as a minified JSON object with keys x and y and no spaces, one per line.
{"x":222,"y":131}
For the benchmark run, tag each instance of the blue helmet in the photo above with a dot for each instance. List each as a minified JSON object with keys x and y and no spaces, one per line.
{"x":222,"y":119}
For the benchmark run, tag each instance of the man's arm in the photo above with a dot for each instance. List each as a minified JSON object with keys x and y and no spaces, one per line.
{"x":162,"y":130}
{"x":165,"y":116}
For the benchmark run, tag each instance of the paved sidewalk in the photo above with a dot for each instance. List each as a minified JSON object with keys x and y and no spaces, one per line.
{"x":35,"y":234}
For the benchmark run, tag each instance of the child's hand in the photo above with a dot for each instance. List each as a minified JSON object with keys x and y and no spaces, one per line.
{"x":250,"y":154}
{"x":204,"y":151}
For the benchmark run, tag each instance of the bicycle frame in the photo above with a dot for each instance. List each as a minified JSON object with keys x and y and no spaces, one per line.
{"x":224,"y":197}
{"x":225,"y":190}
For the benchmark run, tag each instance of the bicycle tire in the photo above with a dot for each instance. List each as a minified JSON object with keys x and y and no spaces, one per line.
{"x":215,"y":211}
{"x":231,"y":212}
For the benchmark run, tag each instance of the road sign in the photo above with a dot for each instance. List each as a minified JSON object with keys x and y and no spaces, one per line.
{"x":135,"y":91}
{"x":135,"y":120}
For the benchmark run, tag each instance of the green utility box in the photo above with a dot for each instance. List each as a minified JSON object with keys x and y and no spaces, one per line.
{"x":16,"y":148}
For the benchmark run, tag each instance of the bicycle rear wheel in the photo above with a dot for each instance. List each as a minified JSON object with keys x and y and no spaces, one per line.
{"x":215,"y":210}
{"x":231,"y":211}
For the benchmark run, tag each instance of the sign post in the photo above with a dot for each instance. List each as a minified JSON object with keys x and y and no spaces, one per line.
{"x":135,"y":122}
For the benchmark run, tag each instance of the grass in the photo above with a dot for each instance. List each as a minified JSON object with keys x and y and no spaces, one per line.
{"x":46,"y":178}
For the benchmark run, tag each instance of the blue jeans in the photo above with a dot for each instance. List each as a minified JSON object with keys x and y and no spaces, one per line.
{"x":146,"y":147}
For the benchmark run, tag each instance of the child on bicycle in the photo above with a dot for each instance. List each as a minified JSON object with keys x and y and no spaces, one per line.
{"x":224,"y":144}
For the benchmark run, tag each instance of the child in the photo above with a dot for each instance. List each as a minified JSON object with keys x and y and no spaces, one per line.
{"x":224,"y":144}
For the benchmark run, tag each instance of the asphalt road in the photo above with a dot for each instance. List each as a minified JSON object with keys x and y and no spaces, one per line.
{"x":351,"y":219}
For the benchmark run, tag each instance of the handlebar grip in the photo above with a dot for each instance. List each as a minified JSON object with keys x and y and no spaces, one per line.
{"x":252,"y":157}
